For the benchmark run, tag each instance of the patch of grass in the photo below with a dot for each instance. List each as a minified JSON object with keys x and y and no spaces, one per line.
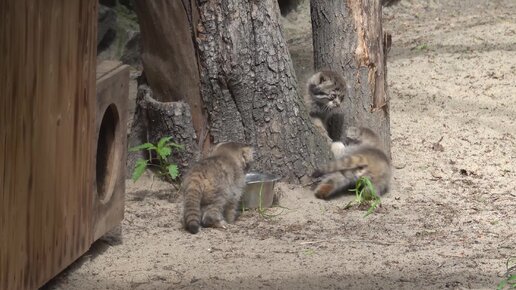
{"x":509,"y":282}
{"x":365,"y":195}
{"x":309,"y":252}
{"x":163,"y":150}
{"x":263,"y":211}
{"x":420,"y":47}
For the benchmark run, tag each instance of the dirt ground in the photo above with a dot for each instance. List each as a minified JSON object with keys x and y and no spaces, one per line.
{"x":449,"y":221}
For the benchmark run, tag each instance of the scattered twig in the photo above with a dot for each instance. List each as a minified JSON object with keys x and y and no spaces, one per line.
{"x":313,"y":242}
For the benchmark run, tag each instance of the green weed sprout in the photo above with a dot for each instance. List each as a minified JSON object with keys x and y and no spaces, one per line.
{"x":365,"y":194}
{"x":509,"y":282}
{"x":163,"y":150}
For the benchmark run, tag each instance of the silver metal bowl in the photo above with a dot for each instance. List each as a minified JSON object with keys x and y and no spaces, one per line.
{"x":259,"y":190}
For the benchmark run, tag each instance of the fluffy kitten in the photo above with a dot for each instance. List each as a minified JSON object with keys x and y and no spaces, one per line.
{"x":355,"y":136}
{"x":213,"y":187}
{"x":363,"y":157}
{"x":327,"y":90}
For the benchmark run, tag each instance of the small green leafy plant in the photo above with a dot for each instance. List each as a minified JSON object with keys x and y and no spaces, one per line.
{"x":365,"y":194}
{"x":509,"y":282}
{"x":163,"y":149}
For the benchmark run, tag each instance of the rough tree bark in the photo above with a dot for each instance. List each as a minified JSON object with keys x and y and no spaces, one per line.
{"x":171,"y":70}
{"x":249,"y":87}
{"x":240,"y":63}
{"x":168,"y":57}
{"x":348,"y":38}
{"x":168,"y":119}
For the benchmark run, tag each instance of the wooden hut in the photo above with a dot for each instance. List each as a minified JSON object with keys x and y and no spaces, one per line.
{"x":62,"y":143}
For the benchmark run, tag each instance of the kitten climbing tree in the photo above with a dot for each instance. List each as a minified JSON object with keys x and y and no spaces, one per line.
{"x":348,"y":38}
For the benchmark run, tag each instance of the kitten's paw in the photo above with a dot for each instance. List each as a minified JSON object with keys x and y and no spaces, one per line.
{"x":324,"y":189}
{"x":338,"y":149}
{"x":221,"y":225}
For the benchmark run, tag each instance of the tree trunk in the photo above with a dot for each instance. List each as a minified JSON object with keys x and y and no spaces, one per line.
{"x":170,"y":119}
{"x":348,"y":38}
{"x":171,"y":70}
{"x":250,"y":90}
{"x":168,"y":57}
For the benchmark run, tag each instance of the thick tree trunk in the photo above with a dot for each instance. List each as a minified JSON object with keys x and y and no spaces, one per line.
{"x":348,"y":38}
{"x":250,"y":90}
{"x":168,"y":57}
{"x":171,"y":70}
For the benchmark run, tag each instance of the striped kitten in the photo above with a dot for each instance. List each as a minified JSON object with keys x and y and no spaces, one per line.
{"x":363,"y":157}
{"x":355,"y":136}
{"x":327,"y":90}
{"x":213,"y":187}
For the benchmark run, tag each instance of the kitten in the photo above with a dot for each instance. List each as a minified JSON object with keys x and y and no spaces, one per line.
{"x":363,"y":157}
{"x":213,"y":187}
{"x":326,"y":90}
{"x":355,"y":136}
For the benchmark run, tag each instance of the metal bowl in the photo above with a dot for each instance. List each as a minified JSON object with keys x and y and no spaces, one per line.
{"x":259,"y":190}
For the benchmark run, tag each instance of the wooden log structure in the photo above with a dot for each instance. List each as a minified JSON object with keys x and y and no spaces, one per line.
{"x":50,"y":211}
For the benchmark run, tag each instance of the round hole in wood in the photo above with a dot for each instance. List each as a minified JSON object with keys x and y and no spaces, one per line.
{"x":107,"y":154}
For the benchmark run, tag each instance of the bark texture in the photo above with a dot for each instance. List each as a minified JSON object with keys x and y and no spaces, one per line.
{"x":168,"y":57}
{"x":250,"y":90}
{"x":348,"y":38}
{"x":154,"y":120}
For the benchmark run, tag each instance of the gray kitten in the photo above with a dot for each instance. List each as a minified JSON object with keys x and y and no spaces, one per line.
{"x":363,"y":157}
{"x":327,"y":90}
{"x":212,"y":188}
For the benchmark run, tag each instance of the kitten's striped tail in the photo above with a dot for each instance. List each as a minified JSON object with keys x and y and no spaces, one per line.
{"x":349,"y":162}
{"x":192,"y":209}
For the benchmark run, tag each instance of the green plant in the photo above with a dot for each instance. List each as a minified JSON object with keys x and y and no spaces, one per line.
{"x":309,"y":252}
{"x":420,"y":47}
{"x":509,"y":282}
{"x":163,"y":149}
{"x":365,"y":194}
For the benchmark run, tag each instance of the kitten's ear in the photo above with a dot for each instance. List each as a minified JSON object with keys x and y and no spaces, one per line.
{"x":248,"y":153}
{"x":315,"y":79}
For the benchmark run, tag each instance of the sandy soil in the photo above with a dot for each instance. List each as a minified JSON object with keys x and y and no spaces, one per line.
{"x":449,"y":221}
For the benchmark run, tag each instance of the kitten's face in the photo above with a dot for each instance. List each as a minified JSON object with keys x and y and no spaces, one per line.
{"x":326,"y":91}
{"x":327,"y":98}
